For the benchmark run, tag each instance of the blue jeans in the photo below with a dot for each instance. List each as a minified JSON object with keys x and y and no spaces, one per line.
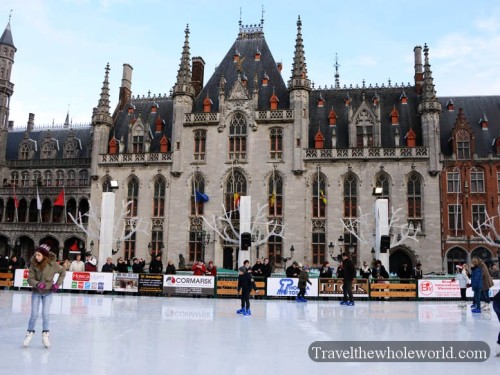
{"x":46,"y":300}
{"x":496,"y":307}
{"x":477,"y":298}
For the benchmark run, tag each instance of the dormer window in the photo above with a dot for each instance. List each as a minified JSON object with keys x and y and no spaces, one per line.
{"x":138,"y":144}
{"x":265,"y":80}
{"x":207,"y":104}
{"x":236,"y":57}
{"x":274,"y":102}
{"x":257,"y":55}
{"x":158,"y":124}
{"x":319,"y":140}
{"x":332,"y":118}
{"x":113,"y":146}
{"x":411,"y":138}
{"x":164,"y":144}
{"x":403,"y":98}
{"x":46,"y":151}
{"x":320,"y":102}
{"x":450,"y":106}
{"x":463,"y":145}
{"x":394,"y":116}
{"x":483,"y":121}
{"x":25,"y":152}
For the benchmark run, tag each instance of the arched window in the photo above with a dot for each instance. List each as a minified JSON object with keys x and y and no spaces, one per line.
{"x":25,"y":179}
{"x":238,"y":138}
{"x":71,"y":209}
{"x":455,"y":256}
{"x":59,"y":178}
{"x":463,"y":144}
{"x":37,"y":178}
{"x":47,"y":178}
{"x":25,"y":152}
{"x":69,"y":150}
{"x":319,"y":195}
{"x":414,"y":199}
{"x":198,"y":196}
{"x":476,"y":180}
{"x":46,"y":151}
{"x":453,"y":181}
{"x":236,"y":186}
{"x":276,"y":135}
{"x":383,"y":181}
{"x":275,"y":195}
{"x":159,"y":197}
{"x":71,"y":178}
{"x":83,"y":177}
{"x":132,"y":194}
{"x":350,"y":196}
{"x":14,"y":178}
{"x":200,"y":139}
{"x":275,"y":249}
{"x":106,"y":185}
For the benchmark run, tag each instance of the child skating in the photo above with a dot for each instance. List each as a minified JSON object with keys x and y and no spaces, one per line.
{"x":41,"y":275}
{"x":302,"y":284}
{"x":245,"y":283}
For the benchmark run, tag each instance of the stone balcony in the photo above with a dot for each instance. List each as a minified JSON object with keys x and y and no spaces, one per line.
{"x":366,"y":153}
{"x":142,"y":158}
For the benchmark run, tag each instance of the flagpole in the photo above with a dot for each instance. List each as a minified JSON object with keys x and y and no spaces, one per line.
{"x":318,"y":197}
{"x":15,"y":203}
{"x":274,"y":191}
{"x":194,"y":195}
{"x":64,"y":207}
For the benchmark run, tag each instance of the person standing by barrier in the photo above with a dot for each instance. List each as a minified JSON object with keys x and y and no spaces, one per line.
{"x":245,"y":285}
{"x":170,"y":270}
{"x":138,"y":265}
{"x":496,"y":308}
{"x":41,"y":275}
{"x":365,"y":272}
{"x":302,"y":284}
{"x":156,"y":265}
{"x":267,"y":269}
{"x":121,"y":266}
{"x":417,"y":271}
{"x":108,"y":266}
{"x":477,"y":285}
{"x":349,"y":273}
{"x":326,"y":272}
{"x":77,"y":265}
{"x":211,"y":269}
{"x":463,"y":280}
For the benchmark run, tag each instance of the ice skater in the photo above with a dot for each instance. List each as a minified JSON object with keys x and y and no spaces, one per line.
{"x":302,"y":284}
{"x":41,"y":275}
{"x":477,"y":285}
{"x":349,"y":275}
{"x":496,"y":307}
{"x":463,"y":281}
{"x":245,"y":284}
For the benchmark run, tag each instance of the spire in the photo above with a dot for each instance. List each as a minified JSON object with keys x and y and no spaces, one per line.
{"x":337,"y":75}
{"x":299,"y":68}
{"x":66,"y":122}
{"x":6,"y":38}
{"x":101,"y":114}
{"x":429,"y":93}
{"x":183,"y":85}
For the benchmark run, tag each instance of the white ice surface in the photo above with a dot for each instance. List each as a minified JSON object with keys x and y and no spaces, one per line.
{"x":105,"y":334}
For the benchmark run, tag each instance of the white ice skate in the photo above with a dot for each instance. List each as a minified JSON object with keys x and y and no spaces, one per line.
{"x":27,"y":340}
{"x":45,"y":339}
{"x":485,"y":306}
{"x":498,"y":350}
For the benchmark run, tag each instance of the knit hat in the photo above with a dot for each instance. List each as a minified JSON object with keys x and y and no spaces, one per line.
{"x":43,"y":249}
{"x":242,"y":269}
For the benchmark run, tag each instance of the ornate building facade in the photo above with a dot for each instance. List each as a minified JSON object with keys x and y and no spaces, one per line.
{"x":309,"y":158}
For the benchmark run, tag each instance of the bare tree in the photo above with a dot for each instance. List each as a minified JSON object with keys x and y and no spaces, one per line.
{"x":487,"y":231}
{"x":93,"y":228}
{"x":223,"y":226}
{"x":361,"y":228}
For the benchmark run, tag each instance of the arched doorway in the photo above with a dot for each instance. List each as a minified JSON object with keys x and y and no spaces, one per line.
{"x":455,"y":255}
{"x":227,"y":258}
{"x":398,"y":257}
{"x":484,"y":254}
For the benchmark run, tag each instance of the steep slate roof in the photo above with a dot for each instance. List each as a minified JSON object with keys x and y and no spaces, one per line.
{"x":7,"y":37}
{"x":474,"y":107}
{"x":388,"y":98}
{"x":247,"y":47}
{"x":15,"y":138}
{"x":143,"y":109}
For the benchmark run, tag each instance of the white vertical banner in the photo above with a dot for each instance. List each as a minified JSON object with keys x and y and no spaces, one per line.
{"x":107,"y":226}
{"x":245,"y":225}
{"x":381,"y":226}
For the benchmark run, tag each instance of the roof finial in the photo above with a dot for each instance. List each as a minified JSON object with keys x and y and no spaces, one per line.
{"x":10,"y":14}
{"x":337,"y":75}
{"x":240,"y":18}
{"x":262,"y":19}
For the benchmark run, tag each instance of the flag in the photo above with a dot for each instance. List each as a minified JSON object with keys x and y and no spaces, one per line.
{"x":74,"y":247}
{"x":272,"y":200}
{"x":200,"y":197}
{"x":322,"y":196}
{"x":60,"y":199}
{"x":38,"y":201}
{"x":236,"y":197}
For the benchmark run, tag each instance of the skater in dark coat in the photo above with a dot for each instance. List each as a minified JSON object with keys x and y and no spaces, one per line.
{"x":245,"y":284}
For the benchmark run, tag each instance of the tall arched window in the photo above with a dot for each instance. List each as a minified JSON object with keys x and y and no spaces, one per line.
{"x":414,"y":198}
{"x":236,"y":186}
{"x":476,"y":180}
{"x":319,"y":196}
{"x":275,"y":249}
{"x":198,"y":196}
{"x":132,"y":194}
{"x":238,"y":138}
{"x":276,"y":135}
{"x":350,"y":196}
{"x":25,"y":179}
{"x":25,"y":152}
{"x":275,"y":195}
{"x":200,"y":139}
{"x":83,"y":177}
{"x":70,"y":181}
{"x":383,"y":181}
{"x":14,"y":178}
{"x":59,"y":178}
{"x":47,"y":178}
{"x":159,"y":197}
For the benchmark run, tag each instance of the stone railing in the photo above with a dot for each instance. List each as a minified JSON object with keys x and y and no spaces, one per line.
{"x":368,"y":153}
{"x":50,"y":163}
{"x":201,"y":118}
{"x":143,"y":158}
{"x":285,"y":115}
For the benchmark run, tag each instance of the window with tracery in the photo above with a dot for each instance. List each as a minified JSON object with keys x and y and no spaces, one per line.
{"x":276,"y":135}
{"x":132,"y":194}
{"x":238,"y":138}
{"x":350,"y":196}
{"x":476,"y":180}
{"x":159,"y":198}
{"x":236,"y":186}
{"x":414,"y":199}
{"x":275,"y":195}
{"x":198,"y":195}
{"x":200,"y":139}
{"x":463,"y":145}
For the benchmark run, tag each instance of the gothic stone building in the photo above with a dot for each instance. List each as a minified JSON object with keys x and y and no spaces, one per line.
{"x":308,"y":157}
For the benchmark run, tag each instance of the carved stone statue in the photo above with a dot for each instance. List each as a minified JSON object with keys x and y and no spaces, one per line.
{"x":182,"y":262}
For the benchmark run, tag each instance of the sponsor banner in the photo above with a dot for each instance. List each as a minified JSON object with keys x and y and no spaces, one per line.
{"x":126,"y":282}
{"x":150,"y":283}
{"x":447,"y":288}
{"x":334,"y":288}
{"x":189,"y":284}
{"x":96,"y":281}
{"x":21,"y":278}
{"x":288,"y":286}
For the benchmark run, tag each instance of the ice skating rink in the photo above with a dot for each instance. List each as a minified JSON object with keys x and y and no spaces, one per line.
{"x":109,"y":334}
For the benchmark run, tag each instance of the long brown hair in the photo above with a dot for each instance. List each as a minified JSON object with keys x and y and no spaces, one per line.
{"x":41,"y":265}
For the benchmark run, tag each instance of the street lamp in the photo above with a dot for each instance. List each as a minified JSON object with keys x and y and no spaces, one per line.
{"x":331,"y":248}
{"x":205,"y":240}
{"x":373,"y":253}
{"x":150,"y":248}
{"x":286,"y":259}
{"x":257,"y":237}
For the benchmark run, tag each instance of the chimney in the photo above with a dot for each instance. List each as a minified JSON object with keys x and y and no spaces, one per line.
{"x":419,"y":71}
{"x":198,"y":74}
{"x":126,"y":87}
{"x":31,"y":122}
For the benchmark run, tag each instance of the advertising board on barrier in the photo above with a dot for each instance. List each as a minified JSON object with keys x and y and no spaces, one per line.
{"x":98,"y":281}
{"x":447,"y":288}
{"x":150,"y":283}
{"x":189,"y":285}
{"x":288,"y":286}
{"x":334,"y":288}
{"x":126,"y":282}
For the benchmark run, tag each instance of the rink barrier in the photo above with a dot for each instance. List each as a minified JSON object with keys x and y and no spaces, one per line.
{"x":228,"y":287}
{"x":6,"y":279}
{"x":393,"y":288}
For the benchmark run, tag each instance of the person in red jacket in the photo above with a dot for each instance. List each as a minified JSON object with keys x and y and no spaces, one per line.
{"x":199,"y":269}
{"x":211,"y":269}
